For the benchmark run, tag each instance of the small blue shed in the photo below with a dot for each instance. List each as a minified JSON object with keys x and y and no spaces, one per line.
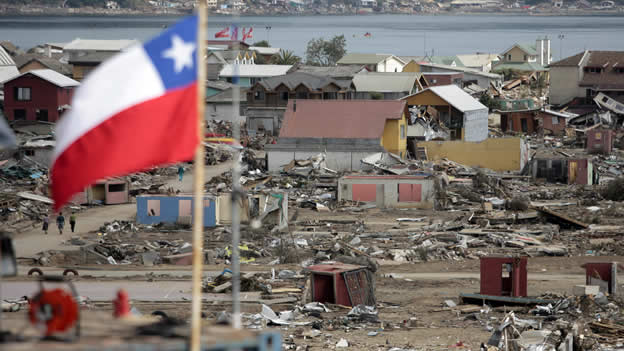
{"x":153,"y":209}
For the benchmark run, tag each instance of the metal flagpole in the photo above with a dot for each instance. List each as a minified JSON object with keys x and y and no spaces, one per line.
{"x":198,"y":181}
{"x":236,"y":195}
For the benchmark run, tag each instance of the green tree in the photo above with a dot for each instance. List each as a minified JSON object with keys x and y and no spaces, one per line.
{"x":285,"y":57}
{"x":262,"y":44}
{"x":488,"y":101}
{"x":321,"y":52}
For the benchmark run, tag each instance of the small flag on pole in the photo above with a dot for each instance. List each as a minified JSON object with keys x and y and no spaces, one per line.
{"x":224,"y":33}
{"x":135,"y":111}
{"x":247,"y":35}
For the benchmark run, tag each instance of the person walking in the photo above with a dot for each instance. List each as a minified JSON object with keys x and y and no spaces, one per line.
{"x":181,"y":172}
{"x":60,"y":222}
{"x":46,"y":223}
{"x":72,"y":221}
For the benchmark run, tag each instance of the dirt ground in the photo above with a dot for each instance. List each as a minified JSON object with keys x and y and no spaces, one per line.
{"x":411,"y":296}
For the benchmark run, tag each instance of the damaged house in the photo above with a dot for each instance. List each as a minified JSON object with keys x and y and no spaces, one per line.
{"x":465,"y":117}
{"x":585,"y":75}
{"x":400,"y":191}
{"x":534,"y":120}
{"x":555,"y":167}
{"x":346,"y":130}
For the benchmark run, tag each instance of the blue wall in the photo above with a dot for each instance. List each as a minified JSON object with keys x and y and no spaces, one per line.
{"x":169,"y":210}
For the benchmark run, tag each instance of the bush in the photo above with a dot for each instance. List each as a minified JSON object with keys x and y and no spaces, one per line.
{"x":614,"y":191}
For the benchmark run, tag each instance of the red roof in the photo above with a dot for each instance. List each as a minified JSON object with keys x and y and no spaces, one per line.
{"x":341,"y":119}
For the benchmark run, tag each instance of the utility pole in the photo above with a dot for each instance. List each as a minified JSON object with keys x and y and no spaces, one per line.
{"x":561,"y":37}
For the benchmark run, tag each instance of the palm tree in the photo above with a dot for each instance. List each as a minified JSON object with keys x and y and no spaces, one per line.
{"x":285,"y":57}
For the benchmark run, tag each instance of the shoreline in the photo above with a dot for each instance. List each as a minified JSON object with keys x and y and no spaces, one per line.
{"x":56,"y":13}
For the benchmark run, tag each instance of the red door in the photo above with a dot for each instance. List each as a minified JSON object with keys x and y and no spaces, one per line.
{"x":410,"y":192}
{"x":364,"y":192}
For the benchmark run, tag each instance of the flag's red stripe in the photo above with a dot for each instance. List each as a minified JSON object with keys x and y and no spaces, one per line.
{"x":157,"y":131}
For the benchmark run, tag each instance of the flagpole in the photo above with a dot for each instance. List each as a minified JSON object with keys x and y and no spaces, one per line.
{"x":198,"y":181}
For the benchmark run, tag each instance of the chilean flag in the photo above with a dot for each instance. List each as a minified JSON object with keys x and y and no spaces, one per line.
{"x":135,"y":111}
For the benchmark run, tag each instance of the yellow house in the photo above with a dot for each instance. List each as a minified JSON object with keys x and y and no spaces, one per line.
{"x":394,"y":138}
{"x":412,"y":66}
{"x":358,"y":127}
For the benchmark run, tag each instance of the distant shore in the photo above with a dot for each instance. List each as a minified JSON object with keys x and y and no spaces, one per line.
{"x":169,"y":13}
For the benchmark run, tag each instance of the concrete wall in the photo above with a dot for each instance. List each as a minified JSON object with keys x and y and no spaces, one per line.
{"x":336,"y":160}
{"x":168,"y":209}
{"x":500,"y":154}
{"x":222,"y":111}
{"x":387,"y":192}
{"x":270,"y":118}
{"x":476,"y":125}
{"x":564,"y":84}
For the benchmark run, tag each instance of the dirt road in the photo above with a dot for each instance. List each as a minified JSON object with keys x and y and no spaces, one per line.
{"x":31,"y":242}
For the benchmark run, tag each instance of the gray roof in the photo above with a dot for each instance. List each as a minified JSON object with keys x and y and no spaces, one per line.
{"x":5,"y":58}
{"x":99,"y":45}
{"x":93,"y":57}
{"x":226,"y":96}
{"x":456,"y":97}
{"x":293,"y":80}
{"x":218,"y":84}
{"x":343,"y":71}
{"x":386,"y":82}
{"x":49,"y":62}
{"x":461,"y":69}
{"x":249,"y":70}
{"x":52,"y":77}
{"x":354,"y":58}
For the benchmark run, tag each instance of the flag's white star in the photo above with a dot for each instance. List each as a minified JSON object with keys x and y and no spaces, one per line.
{"x":181,"y":53}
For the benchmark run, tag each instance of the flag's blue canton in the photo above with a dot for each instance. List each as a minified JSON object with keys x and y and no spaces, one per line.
{"x":166,"y":65}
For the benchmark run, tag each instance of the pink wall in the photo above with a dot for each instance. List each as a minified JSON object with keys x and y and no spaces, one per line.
{"x":364,"y":192}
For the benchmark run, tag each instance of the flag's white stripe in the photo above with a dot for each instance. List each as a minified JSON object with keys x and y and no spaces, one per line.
{"x":119,"y":83}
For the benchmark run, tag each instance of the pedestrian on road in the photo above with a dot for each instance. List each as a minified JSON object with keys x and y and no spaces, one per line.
{"x":60,"y":222}
{"x":181,"y":172}
{"x":46,"y":223}
{"x":72,"y":221}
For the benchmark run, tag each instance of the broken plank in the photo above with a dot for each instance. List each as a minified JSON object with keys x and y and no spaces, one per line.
{"x":563,"y":218}
{"x":228,"y":285}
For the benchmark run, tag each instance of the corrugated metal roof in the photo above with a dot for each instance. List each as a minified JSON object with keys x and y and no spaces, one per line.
{"x":255,"y":70}
{"x":7,"y":72}
{"x":460,"y":69}
{"x":455,"y":96}
{"x":5,"y":58}
{"x":100,"y":45}
{"x":265,"y":51}
{"x":52,"y":77}
{"x":477,"y":60}
{"x":293,"y":80}
{"x":385,"y":82}
{"x":354,"y":58}
{"x":341,"y":119}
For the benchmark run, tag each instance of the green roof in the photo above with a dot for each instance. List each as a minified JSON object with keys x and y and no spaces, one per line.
{"x":528,"y":48}
{"x":519,"y":66}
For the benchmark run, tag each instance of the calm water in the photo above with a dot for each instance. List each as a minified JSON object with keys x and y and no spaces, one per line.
{"x":397,"y":34}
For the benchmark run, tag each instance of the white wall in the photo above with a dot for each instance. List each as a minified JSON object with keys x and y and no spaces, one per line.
{"x":476,"y":125}
{"x":390,"y":64}
{"x":564,"y":85}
